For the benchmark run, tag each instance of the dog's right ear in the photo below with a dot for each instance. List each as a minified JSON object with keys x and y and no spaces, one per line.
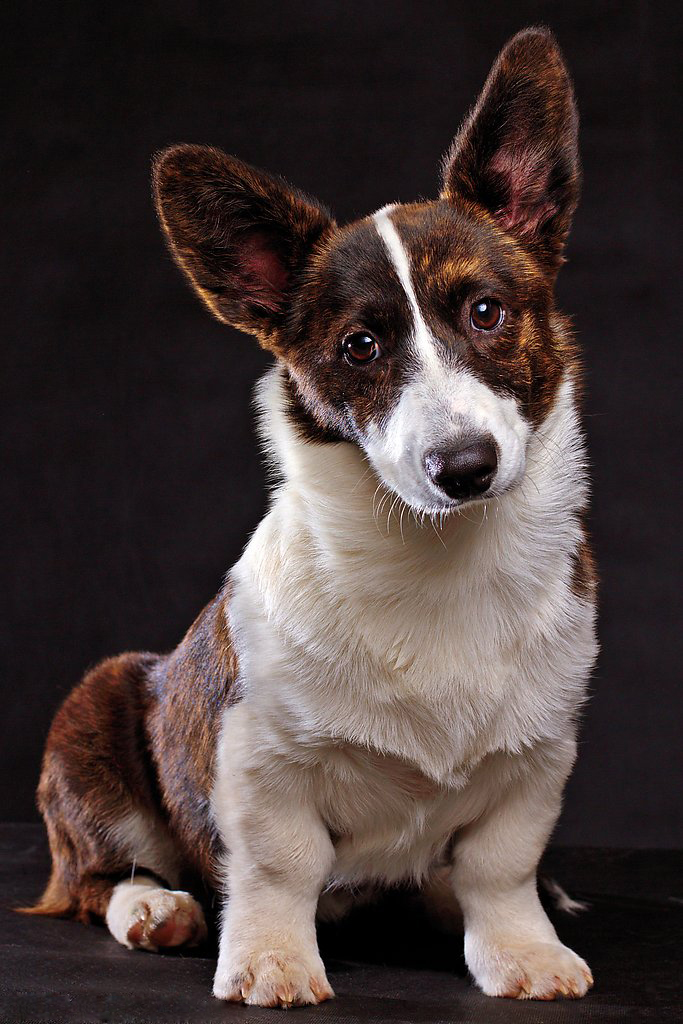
{"x":241,"y":236}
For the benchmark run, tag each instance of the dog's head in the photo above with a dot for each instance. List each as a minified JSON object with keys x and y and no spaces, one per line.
{"x":426,"y":333}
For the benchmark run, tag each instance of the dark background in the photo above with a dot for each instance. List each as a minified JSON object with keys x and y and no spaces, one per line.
{"x":134,"y":477}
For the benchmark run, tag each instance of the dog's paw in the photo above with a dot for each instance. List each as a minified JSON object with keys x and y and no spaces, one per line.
{"x":539,"y":970}
{"x":276,"y":977}
{"x":155,"y":918}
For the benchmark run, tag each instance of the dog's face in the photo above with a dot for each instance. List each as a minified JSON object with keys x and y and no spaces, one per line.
{"x":426,"y":333}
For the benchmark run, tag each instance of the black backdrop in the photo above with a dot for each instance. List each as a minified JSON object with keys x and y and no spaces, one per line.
{"x":134,"y":478}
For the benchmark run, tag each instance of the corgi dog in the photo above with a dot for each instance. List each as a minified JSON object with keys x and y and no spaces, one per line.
{"x":387,"y":687}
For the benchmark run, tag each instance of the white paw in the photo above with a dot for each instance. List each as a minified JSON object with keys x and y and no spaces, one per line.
{"x":146,"y":917}
{"x":538,"y":970}
{"x":275,"y":977}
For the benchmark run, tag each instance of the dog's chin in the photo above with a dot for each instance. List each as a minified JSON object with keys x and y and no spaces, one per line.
{"x":424,"y":506}
{"x":440,"y":510}
{"x":435,"y":507}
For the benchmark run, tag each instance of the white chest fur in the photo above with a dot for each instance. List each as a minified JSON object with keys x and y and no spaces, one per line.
{"x":440,"y":648}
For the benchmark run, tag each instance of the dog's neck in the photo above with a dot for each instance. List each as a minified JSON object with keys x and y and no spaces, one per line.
{"x":421,"y":608}
{"x":348,"y":508}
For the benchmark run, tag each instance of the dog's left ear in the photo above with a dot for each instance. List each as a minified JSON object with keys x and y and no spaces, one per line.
{"x":243,"y":237}
{"x":516,"y":154}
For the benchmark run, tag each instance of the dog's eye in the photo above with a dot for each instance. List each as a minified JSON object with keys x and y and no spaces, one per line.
{"x":486,"y":314}
{"x":360,"y":348}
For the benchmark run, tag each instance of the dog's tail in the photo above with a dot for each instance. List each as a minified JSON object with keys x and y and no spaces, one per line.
{"x":56,"y":901}
{"x":560,"y":898}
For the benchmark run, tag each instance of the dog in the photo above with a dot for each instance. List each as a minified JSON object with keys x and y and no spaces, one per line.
{"x":387,"y":688}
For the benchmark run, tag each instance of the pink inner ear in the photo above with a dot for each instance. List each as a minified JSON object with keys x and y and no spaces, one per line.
{"x":266,"y":275}
{"x":526,"y":177}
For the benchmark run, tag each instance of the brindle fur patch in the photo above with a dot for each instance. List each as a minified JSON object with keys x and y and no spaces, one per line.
{"x":96,"y":769}
{"x":458,"y":256}
{"x":584,"y":578}
{"x":190,"y":691}
{"x":138,"y":734}
{"x":352,"y":286}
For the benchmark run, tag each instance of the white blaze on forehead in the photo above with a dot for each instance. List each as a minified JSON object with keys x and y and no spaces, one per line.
{"x":422,"y":336}
{"x":441,"y":406}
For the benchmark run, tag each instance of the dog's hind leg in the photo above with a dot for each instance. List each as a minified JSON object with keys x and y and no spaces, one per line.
{"x":112,"y":854}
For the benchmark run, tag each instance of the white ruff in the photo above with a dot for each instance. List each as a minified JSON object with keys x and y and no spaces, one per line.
{"x":413,"y":676}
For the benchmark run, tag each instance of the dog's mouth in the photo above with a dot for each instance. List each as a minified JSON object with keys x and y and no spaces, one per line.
{"x":452,"y":507}
{"x":433,"y":508}
{"x":430,"y":503}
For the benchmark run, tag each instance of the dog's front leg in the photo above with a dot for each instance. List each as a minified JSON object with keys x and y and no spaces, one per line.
{"x":511,"y":948}
{"x":280,"y":855}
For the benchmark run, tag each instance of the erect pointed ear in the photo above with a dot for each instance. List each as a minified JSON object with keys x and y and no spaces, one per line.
{"x":241,"y":236}
{"x":516,"y":154}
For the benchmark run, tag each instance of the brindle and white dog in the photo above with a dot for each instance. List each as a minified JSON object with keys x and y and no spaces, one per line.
{"x":389,"y":681}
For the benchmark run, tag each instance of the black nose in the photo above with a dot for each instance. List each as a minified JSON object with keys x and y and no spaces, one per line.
{"x":463,"y":472}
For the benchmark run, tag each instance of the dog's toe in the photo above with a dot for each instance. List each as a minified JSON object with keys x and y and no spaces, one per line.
{"x":274,"y":978}
{"x":156,"y":918}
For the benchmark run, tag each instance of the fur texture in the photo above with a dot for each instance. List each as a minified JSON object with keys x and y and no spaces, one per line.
{"x":387,"y":688}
